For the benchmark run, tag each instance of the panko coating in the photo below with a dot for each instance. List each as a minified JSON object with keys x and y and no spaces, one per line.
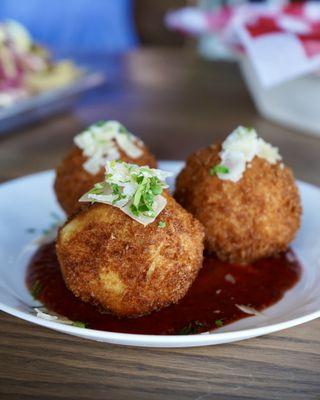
{"x":257,"y":216}
{"x":109,"y":259}
{"x":72,"y":180}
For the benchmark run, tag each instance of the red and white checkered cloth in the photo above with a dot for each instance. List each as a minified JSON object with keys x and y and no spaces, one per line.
{"x":281,"y":40}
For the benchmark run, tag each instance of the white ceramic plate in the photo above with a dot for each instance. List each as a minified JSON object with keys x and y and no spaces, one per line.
{"x":29,"y":203}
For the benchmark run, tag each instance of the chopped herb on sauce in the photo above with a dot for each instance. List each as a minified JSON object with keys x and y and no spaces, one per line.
{"x":79,"y":324}
{"x":36,"y":289}
{"x":191,"y":328}
{"x":100,"y":123}
{"x":218,"y":323}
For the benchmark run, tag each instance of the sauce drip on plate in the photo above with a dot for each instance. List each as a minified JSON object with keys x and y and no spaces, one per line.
{"x":215,"y":299}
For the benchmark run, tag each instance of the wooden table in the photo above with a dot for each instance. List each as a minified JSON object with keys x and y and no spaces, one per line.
{"x":176,"y":103}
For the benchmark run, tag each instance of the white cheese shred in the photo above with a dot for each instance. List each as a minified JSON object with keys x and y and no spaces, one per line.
{"x":101,"y":142}
{"x":230,"y":278}
{"x":239,"y":149}
{"x":248,"y":309}
{"x":43,"y":313}
{"x":133,"y":189}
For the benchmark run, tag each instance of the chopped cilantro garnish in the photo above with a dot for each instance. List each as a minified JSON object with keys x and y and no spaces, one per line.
{"x":155,"y":186}
{"x":192,"y":328}
{"x":134,"y":210}
{"x":219,"y":169}
{"x":162,"y":224}
{"x":187,"y":330}
{"x":79,"y":324}
{"x":117,"y":192}
{"x":139,"y":192}
{"x":143,"y":199}
{"x":131,"y":188}
{"x":218,"y":322}
{"x":97,"y":189}
{"x":115,"y":188}
{"x":36,"y":289}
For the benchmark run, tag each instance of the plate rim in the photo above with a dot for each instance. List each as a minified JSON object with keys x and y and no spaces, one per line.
{"x":142,"y":339}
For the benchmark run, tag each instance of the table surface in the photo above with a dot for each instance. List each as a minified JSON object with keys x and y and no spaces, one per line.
{"x":177,"y":103}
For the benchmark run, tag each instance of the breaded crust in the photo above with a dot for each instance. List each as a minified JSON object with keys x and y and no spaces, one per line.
{"x":256,"y":217}
{"x":110,"y":260}
{"x":72,"y":180}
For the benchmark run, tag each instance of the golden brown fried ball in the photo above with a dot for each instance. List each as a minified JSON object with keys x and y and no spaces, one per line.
{"x":72,"y":180}
{"x":109,"y":259}
{"x":256,"y":217}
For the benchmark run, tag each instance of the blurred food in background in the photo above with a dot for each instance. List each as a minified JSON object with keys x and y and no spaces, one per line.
{"x":277,"y":45}
{"x":26,"y":68}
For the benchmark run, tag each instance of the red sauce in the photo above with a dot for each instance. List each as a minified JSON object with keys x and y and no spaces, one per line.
{"x":210,"y":302}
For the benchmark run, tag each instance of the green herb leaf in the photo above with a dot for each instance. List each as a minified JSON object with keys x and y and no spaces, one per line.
{"x":155,"y":186}
{"x":31,"y":230}
{"x":134,"y":210}
{"x":187,"y":330}
{"x":148,"y":199}
{"x":115,"y":188}
{"x":162,"y":224}
{"x":150,"y":214}
{"x":97,"y":189}
{"x":138,"y":193}
{"x":36,"y":289}
{"x":192,"y":328}
{"x":143,"y":199}
{"x":79,"y":324}
{"x":221,"y":169}
{"x":218,"y":323}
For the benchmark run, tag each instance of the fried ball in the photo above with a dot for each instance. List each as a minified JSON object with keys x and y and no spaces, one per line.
{"x":110,"y":260}
{"x":256,"y":217}
{"x":72,"y":180}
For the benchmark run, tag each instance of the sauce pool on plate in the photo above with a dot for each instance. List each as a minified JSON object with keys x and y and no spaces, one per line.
{"x":222,"y":293}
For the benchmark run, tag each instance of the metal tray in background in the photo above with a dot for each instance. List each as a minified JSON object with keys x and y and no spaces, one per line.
{"x":47,"y":103}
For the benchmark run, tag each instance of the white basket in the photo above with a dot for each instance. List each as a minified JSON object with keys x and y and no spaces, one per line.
{"x":295,"y":103}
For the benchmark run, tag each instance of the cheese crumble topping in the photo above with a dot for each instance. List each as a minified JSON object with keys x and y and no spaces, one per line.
{"x":133,"y":189}
{"x":43,"y":313}
{"x":239,"y":149}
{"x":100,"y":143}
